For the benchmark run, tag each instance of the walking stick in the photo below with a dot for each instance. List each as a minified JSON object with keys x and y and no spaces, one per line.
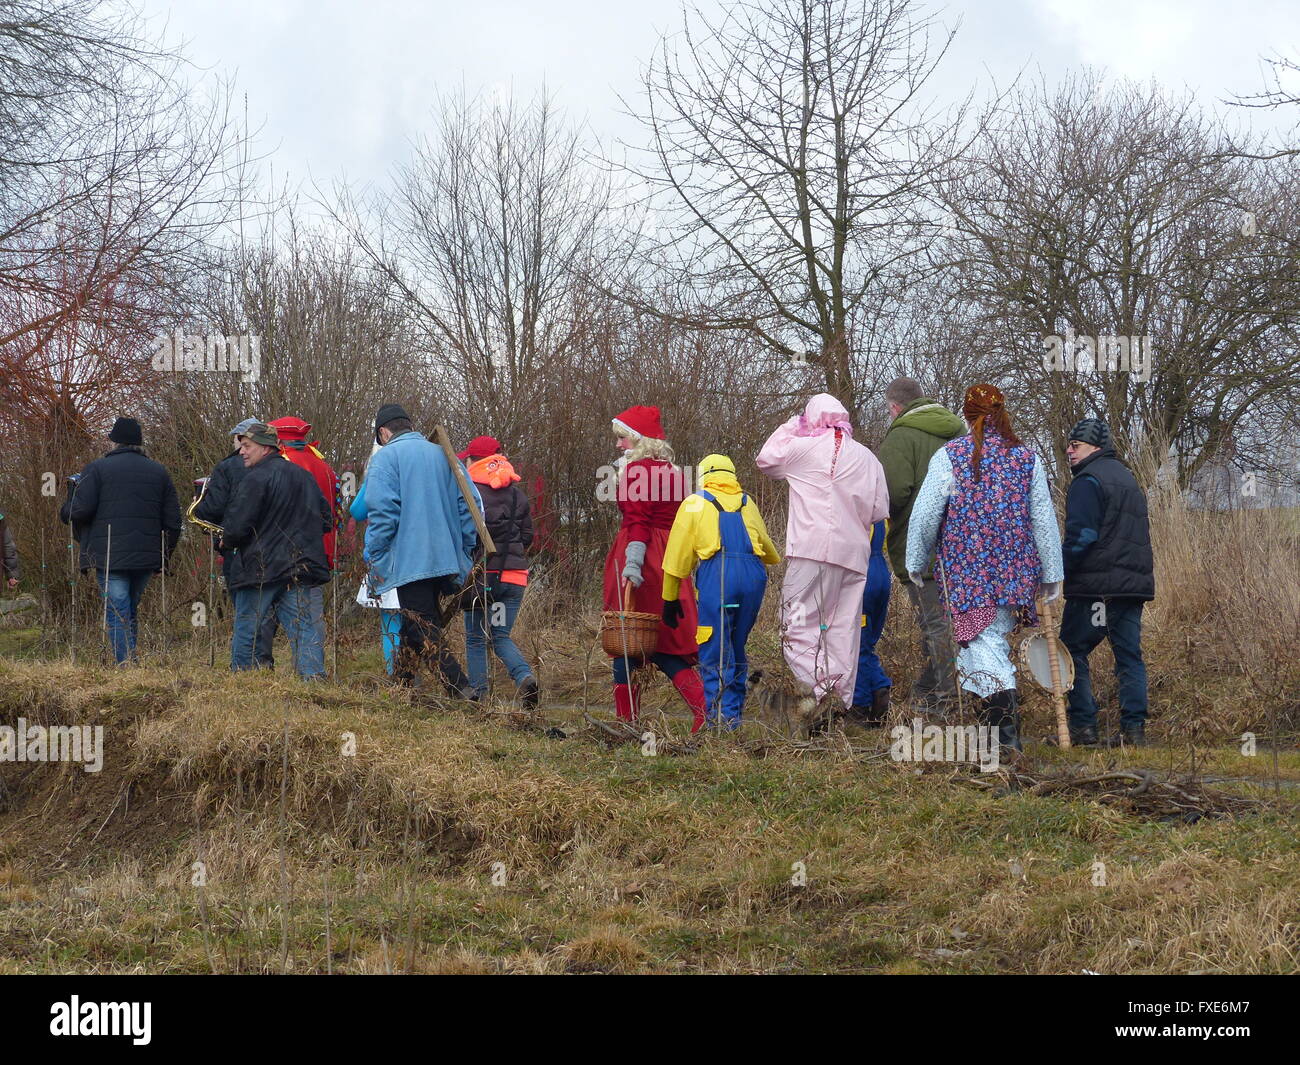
{"x":108,"y":558}
{"x":1058,"y":695}
{"x":162,"y":547}
{"x":72,"y":591}
{"x":489,"y":547}
{"x":956,"y":669}
{"x":212,"y":604}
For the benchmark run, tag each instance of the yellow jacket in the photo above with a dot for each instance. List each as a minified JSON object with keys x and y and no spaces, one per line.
{"x":695,"y":533}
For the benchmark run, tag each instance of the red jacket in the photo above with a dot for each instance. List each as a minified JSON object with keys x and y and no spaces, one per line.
{"x":293,"y":435}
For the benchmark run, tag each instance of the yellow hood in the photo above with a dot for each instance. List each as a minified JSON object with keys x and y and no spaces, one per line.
{"x":718,"y":474}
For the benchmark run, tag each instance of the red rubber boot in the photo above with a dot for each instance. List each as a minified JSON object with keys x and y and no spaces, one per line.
{"x":689,"y":686}
{"x":626,"y":699}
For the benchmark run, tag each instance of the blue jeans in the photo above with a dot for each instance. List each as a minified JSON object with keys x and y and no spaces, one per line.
{"x":301,"y":613}
{"x":122,"y":591}
{"x":1084,"y":624}
{"x":496,"y":619}
{"x":263,"y":651}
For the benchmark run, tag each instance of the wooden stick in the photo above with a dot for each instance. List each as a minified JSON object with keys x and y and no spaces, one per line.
{"x":489,"y":547}
{"x":1058,"y":696}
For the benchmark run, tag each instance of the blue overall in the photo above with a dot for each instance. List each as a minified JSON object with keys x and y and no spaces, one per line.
{"x":875,"y":605}
{"x":729,"y":589}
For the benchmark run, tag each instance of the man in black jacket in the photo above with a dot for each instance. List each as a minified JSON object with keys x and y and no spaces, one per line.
{"x":128,"y":519}
{"x":275,"y":523}
{"x":1109,"y":576}
{"x":217,"y":494}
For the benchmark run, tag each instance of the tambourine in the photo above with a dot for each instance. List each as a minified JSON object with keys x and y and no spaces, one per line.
{"x":1035,"y":653}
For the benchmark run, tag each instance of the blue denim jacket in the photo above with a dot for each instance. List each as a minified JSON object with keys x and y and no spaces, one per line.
{"x":419,"y":525}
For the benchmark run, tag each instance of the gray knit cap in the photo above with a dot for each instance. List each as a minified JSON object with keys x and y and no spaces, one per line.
{"x":1091,"y":431}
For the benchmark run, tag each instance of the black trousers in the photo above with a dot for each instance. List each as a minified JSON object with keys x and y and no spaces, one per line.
{"x":423,"y":639}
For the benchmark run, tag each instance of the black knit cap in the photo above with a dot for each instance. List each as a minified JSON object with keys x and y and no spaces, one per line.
{"x":1091,"y":431}
{"x":387,"y":413}
{"x":126,"y":431}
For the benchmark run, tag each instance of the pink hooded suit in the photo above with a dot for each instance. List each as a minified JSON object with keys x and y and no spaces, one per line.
{"x":837,"y":493}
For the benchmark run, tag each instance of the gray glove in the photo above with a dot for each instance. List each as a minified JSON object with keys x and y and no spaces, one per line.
{"x":632,"y":561}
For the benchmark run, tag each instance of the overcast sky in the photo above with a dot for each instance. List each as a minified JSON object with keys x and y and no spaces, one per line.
{"x":339,"y":86}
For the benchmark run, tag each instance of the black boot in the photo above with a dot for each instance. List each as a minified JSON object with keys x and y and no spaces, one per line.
{"x":1079,"y":737}
{"x":1136,"y":736}
{"x":1004,"y":712}
{"x":872,"y":716}
{"x":528,"y":693}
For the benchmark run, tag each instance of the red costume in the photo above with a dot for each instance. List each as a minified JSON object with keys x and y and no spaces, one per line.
{"x":649,"y":493}
{"x":293,"y":436}
{"x":649,"y":521}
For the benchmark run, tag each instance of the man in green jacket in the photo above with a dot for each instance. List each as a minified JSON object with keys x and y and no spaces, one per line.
{"x":920,"y":427}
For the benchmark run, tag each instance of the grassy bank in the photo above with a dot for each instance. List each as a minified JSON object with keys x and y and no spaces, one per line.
{"x":449,"y":841}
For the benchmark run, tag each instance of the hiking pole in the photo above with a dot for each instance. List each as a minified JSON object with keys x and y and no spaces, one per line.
{"x":722,"y":627}
{"x":108,"y":558}
{"x":212,"y":606}
{"x":162,"y":547}
{"x":72,"y":587}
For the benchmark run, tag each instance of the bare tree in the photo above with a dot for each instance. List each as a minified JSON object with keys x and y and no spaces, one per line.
{"x":1090,"y":215}
{"x":791,"y":155}
{"x":486,"y":236}
{"x":112,"y":178}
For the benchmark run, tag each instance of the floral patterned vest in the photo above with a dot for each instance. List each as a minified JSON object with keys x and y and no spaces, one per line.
{"x":987,"y":542}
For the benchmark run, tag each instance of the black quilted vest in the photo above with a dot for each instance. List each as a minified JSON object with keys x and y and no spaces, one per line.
{"x":1120,"y":564}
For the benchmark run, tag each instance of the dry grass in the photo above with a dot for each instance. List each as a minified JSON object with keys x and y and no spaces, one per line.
{"x":459,"y":841}
{"x":451,"y":843}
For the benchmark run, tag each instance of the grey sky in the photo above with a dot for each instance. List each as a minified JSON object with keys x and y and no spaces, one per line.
{"x":339,"y":86}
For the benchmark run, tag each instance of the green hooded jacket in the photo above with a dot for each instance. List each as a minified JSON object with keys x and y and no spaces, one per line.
{"x":920,"y":429}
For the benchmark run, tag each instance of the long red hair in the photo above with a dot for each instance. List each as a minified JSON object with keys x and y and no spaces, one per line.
{"x":984,"y":407}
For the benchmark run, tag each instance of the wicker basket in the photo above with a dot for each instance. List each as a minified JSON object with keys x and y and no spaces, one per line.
{"x":629,"y":632}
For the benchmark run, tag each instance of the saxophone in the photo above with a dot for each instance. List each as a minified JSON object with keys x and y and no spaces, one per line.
{"x":201,"y":484}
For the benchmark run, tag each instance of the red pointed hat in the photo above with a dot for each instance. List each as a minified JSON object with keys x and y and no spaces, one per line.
{"x":291,"y":428}
{"x":640,"y":421}
{"x":480,"y":447}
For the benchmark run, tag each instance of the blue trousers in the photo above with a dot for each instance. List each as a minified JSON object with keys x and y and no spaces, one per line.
{"x":728,"y":606}
{"x":122,"y":590}
{"x":301,"y":613}
{"x":1084,"y":624}
{"x":390,"y":626}
{"x":494,"y":620}
{"x":875,"y":606}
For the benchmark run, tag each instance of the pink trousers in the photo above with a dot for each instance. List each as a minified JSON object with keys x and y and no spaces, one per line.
{"x":821,"y":619}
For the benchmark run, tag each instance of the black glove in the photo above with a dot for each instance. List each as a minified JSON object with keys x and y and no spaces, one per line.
{"x":673,"y":613}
